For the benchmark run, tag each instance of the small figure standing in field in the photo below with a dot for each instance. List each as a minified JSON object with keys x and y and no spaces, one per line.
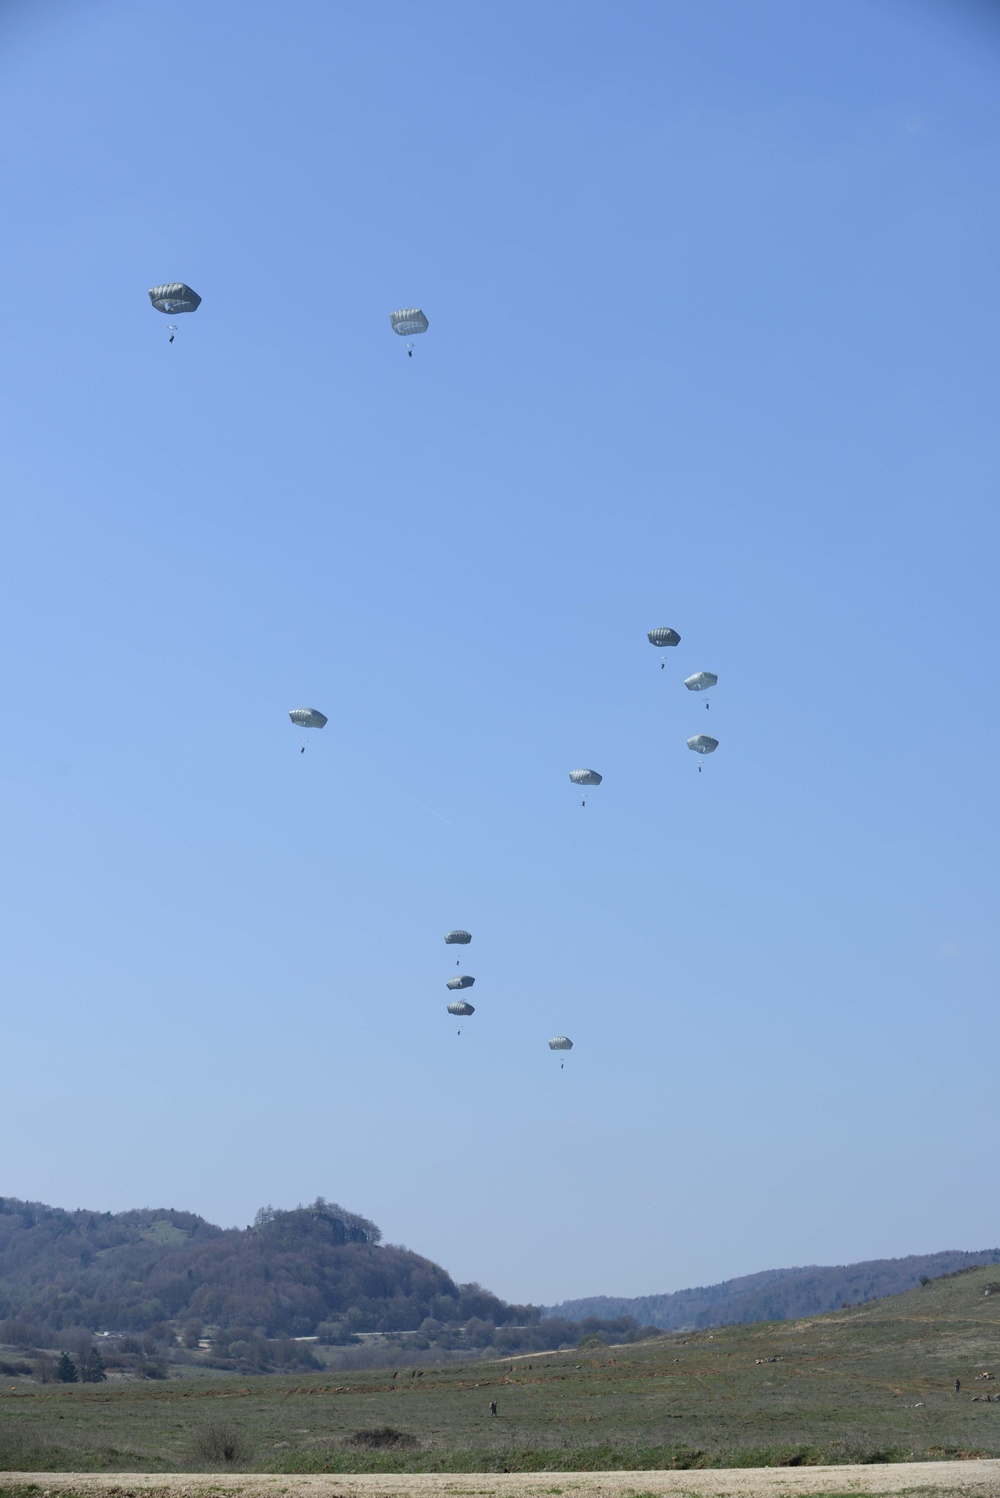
{"x":958,"y":1386}
{"x":493,"y":1407}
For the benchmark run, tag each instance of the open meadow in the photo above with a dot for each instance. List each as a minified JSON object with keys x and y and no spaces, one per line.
{"x":868,"y":1384}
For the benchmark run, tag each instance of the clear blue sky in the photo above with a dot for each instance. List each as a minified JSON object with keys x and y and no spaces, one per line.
{"x":713,"y":308}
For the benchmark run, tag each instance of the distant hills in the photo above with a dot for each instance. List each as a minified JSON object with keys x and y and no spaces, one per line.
{"x":170,"y":1287}
{"x":777,"y":1294}
{"x":165,"y":1287}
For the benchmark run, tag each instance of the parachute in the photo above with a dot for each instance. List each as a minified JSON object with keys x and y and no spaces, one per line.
{"x":308,"y":717}
{"x":461,"y":1007}
{"x":703,"y":743}
{"x":663,"y":637}
{"x":407,"y":322}
{"x":462,"y":981}
{"x":174,"y":297}
{"x":700,"y":681}
{"x":585,"y":777}
{"x":560,"y":1043}
{"x":458,"y":938}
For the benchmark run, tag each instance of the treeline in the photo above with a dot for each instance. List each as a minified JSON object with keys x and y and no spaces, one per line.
{"x":780,"y":1294}
{"x":171,"y":1286}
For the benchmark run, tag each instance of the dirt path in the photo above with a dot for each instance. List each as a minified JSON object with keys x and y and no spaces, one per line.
{"x":899,"y":1480}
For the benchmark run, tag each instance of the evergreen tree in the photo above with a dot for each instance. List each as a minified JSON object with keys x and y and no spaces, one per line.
{"x":66,"y":1371}
{"x":92,"y":1368}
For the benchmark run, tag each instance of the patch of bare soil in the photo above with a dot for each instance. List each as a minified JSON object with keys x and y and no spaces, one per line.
{"x":898,"y":1480}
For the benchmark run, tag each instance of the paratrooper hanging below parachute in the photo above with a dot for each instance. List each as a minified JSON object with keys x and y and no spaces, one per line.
{"x":662,"y":638}
{"x":585,"y":777}
{"x":462,"y":1009}
{"x":308,"y":717}
{"x":560,"y":1043}
{"x":701,"y":681}
{"x":408,"y":322}
{"x":459,"y":939}
{"x":173,"y":297}
{"x":703,"y":743}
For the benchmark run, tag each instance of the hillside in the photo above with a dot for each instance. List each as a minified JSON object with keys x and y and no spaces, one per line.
{"x":156,"y":1278}
{"x":873,"y":1384}
{"x":777,"y":1294}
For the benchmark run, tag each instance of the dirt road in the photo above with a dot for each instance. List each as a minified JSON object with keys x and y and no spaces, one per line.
{"x":898,"y":1480}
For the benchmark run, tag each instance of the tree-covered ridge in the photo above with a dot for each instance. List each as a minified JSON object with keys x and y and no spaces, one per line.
{"x":159,"y":1277}
{"x":778,"y":1294}
{"x":285,"y":1274}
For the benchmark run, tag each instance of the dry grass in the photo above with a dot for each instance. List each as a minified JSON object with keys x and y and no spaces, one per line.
{"x":871,"y":1385}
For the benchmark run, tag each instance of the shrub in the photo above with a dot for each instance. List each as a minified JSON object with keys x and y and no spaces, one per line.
{"x":221,"y":1443}
{"x":383,"y":1437}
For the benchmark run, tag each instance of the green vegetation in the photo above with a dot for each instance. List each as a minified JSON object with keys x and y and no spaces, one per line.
{"x":173,"y":1289}
{"x":164,"y":1231}
{"x":779,"y":1294}
{"x":874,"y":1383}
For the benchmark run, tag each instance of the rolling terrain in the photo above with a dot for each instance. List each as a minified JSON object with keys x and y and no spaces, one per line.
{"x":868,"y":1384}
{"x":777,"y":1294}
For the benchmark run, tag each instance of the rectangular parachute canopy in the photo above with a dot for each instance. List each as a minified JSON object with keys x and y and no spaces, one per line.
{"x":407,"y":321}
{"x":173,"y":297}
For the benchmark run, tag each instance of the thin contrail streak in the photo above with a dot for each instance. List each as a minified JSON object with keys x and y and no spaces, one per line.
{"x":429,"y":808}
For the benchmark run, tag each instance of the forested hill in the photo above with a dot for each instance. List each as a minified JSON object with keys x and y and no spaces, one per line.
{"x":777,"y":1294}
{"x":170,"y":1277}
{"x":288,"y":1273}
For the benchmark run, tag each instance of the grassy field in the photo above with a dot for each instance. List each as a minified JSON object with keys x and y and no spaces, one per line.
{"x":869,"y":1384}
